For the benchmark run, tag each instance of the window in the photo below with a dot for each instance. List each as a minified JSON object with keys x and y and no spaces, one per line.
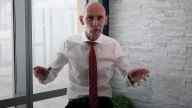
{"x":24,"y":45}
{"x":52,"y":22}
{"x":6,"y":50}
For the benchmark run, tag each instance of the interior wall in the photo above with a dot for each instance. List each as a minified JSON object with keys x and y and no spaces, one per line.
{"x":157,"y":34}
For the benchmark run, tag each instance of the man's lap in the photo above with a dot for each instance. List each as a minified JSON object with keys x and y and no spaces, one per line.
{"x":103,"y":102}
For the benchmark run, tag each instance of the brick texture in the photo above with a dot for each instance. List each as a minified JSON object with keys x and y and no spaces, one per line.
{"x":157,"y":34}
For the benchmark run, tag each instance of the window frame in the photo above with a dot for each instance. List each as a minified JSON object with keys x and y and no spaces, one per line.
{"x":23,"y":77}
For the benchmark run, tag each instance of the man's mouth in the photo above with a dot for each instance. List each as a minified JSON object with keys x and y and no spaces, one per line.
{"x":96,"y":30}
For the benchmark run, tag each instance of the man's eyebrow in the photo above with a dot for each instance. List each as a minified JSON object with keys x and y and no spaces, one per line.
{"x":94,"y":14}
{"x":99,"y":16}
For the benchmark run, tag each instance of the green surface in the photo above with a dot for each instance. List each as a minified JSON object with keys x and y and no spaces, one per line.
{"x":122,"y":102}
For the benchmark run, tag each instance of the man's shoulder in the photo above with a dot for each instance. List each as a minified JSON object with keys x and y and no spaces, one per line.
{"x":110,"y":39}
{"x":71,"y":40}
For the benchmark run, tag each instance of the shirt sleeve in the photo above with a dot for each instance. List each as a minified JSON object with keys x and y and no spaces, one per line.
{"x":120,"y":61}
{"x":121,"y":66}
{"x":57,"y":64}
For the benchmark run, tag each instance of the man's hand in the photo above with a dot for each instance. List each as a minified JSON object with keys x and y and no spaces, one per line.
{"x":40,"y":72}
{"x":136,"y":75}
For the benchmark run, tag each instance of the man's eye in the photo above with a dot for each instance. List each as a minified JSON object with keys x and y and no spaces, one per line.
{"x":99,"y":18}
{"x":90,"y":17}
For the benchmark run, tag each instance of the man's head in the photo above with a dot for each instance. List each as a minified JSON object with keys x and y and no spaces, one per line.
{"x":94,"y":18}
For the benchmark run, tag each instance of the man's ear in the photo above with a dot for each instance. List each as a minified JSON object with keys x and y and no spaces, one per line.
{"x":81,"y":20}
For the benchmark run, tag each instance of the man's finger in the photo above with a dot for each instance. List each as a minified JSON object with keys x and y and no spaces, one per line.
{"x":144,"y":79}
{"x":35,"y":68}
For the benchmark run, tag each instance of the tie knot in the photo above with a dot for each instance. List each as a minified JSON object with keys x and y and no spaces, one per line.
{"x":91,"y":43}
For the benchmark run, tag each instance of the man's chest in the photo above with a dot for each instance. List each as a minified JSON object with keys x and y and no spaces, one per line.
{"x":79,"y":53}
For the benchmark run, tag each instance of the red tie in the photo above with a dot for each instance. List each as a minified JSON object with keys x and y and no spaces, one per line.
{"x":92,"y":76}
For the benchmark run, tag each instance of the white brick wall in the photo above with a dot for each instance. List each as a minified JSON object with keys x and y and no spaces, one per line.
{"x":158,"y":34}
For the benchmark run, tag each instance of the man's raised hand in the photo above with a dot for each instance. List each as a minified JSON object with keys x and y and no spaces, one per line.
{"x":40,"y":72}
{"x":137,"y":75}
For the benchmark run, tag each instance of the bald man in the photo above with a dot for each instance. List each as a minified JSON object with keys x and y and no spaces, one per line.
{"x":75,"y":52}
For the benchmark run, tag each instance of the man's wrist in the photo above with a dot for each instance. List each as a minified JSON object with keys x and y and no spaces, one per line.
{"x":47,"y":73}
{"x":130,"y":79}
{"x":49,"y":69}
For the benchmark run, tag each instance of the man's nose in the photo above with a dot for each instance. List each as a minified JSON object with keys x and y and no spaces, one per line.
{"x":95,"y":22}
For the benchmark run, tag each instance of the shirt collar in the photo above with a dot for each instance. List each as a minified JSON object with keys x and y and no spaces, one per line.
{"x":85,"y":39}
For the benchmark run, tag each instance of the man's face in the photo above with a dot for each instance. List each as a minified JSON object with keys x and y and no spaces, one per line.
{"x":94,"y":20}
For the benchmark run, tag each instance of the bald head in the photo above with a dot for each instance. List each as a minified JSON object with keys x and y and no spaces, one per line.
{"x":95,"y":7}
{"x":94,"y":18}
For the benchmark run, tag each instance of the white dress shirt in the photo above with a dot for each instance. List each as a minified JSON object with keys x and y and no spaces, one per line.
{"x":75,"y":52}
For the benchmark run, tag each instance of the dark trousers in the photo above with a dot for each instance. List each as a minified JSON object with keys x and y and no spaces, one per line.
{"x":103,"y":102}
